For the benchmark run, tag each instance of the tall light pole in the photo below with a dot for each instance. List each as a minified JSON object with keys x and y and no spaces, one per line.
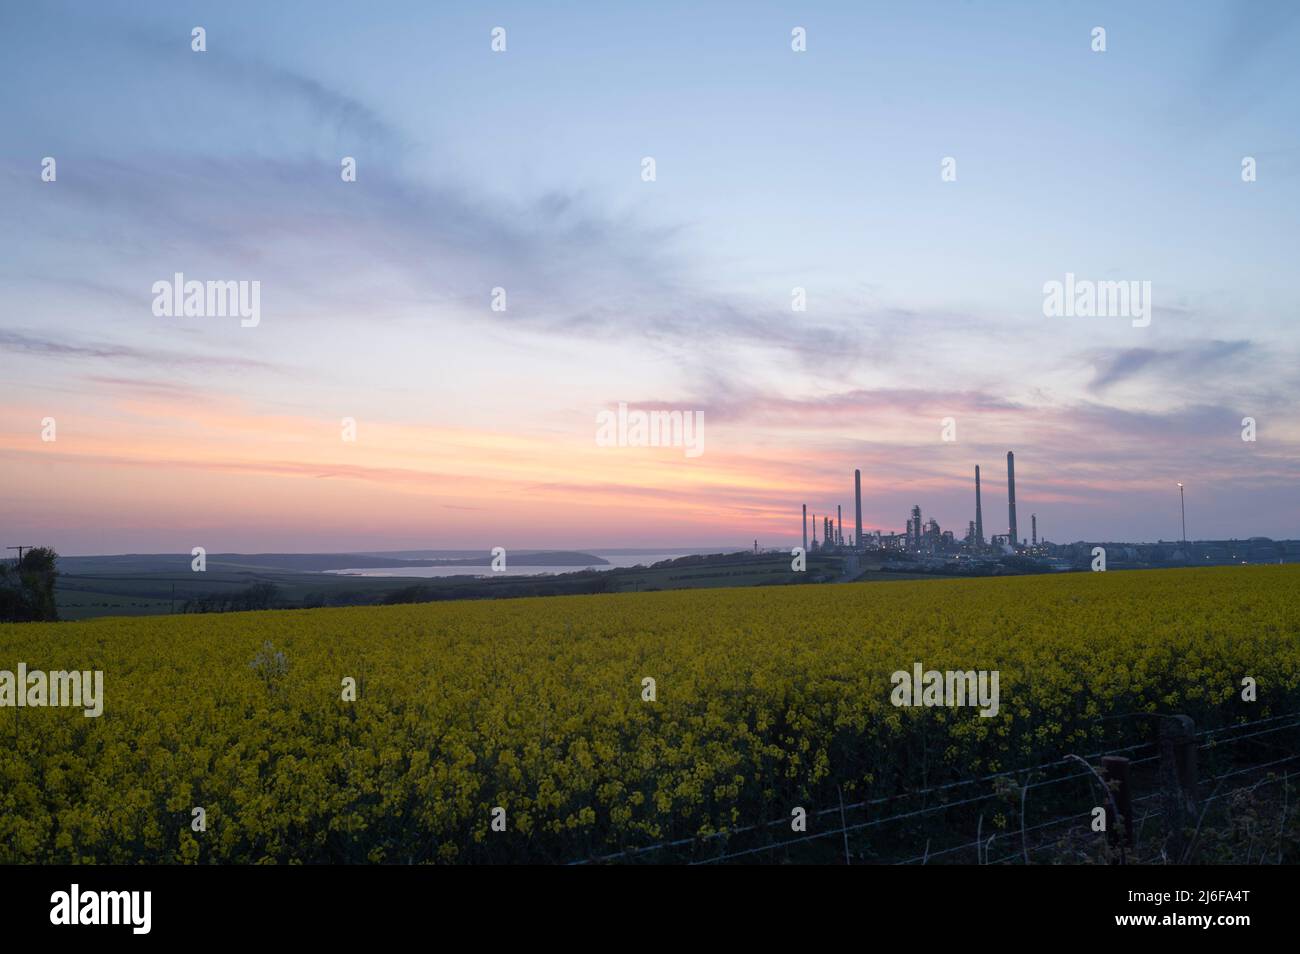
{"x":1182,"y":506}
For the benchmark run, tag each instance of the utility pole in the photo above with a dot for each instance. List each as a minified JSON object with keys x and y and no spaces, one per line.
{"x":1183,"y":507}
{"x":20,"y":552}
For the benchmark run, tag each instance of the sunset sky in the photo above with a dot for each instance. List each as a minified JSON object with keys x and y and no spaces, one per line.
{"x":522,"y":169}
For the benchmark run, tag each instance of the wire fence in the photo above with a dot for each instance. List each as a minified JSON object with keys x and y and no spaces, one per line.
{"x":1287,"y":721}
{"x":1292,"y":724}
{"x":1216,"y":796}
{"x":1247,"y":725}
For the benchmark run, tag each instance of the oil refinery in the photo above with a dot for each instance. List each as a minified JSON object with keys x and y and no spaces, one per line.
{"x":923,"y":537}
{"x":923,"y":544}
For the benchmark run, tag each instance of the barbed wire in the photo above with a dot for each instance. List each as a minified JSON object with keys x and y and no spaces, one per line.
{"x":1214,"y":743}
{"x":972,"y":781}
{"x":989,"y":840}
{"x":866,"y":803}
{"x":1244,"y":725}
{"x":731,"y":832}
{"x":1007,"y":834}
{"x":1057,"y":821}
{"x":1252,"y":768}
{"x":1160,"y":812}
{"x":917,"y":793}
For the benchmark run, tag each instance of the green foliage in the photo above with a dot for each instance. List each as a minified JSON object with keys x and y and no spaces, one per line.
{"x":27,"y":587}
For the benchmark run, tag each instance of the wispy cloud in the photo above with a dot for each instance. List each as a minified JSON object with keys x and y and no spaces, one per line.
{"x":923,"y":295}
{"x":39,"y":346}
{"x":1194,"y":358}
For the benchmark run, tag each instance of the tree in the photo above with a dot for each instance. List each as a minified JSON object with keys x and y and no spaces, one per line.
{"x":27,"y":587}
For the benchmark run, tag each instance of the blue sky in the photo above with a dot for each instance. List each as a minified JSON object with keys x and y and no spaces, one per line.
{"x":522,"y":169}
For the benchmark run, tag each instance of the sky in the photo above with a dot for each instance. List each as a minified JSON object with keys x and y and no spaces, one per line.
{"x":523,"y":170}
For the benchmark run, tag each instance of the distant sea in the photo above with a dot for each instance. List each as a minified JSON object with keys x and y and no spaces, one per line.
{"x":616,"y":558}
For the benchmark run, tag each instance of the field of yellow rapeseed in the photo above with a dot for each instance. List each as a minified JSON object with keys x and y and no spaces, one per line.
{"x":764,"y":698}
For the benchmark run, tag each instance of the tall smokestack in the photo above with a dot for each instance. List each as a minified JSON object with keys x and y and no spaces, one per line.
{"x":857,"y":496}
{"x":805,"y":528}
{"x":1011,"y":497}
{"x":1033,"y":521}
{"x":839,"y":524}
{"x":979,"y":511}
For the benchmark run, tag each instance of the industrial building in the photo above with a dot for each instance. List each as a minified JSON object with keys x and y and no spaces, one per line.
{"x":924,"y":544}
{"x":925,"y":538}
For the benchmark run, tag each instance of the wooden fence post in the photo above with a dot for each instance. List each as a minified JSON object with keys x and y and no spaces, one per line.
{"x":1115,"y":772}
{"x":1178,"y":780}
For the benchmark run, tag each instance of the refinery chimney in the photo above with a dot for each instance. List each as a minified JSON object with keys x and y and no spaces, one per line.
{"x":1033,"y":522}
{"x":805,"y":528}
{"x":839,"y":521}
{"x":979,"y":511}
{"x":1011,"y":498}
{"x":857,"y":496}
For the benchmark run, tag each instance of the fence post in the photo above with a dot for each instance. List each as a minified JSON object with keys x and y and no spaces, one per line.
{"x":1178,"y":780}
{"x":1115,"y":772}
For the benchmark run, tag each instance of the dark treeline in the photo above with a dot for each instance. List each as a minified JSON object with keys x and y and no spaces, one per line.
{"x":563,"y":585}
{"x":266,"y":596}
{"x":259,"y":596}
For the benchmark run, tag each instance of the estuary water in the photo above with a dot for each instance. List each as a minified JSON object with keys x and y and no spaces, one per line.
{"x":517,"y":569}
